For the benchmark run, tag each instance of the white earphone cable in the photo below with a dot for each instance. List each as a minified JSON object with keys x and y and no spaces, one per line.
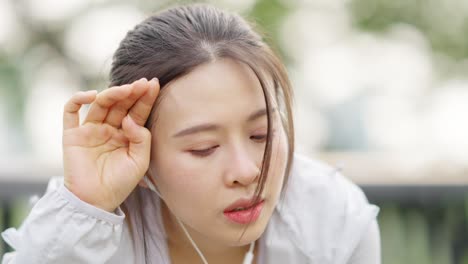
{"x":248,"y":256}
{"x":191,"y":241}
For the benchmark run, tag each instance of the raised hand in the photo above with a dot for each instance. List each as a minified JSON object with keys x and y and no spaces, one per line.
{"x":105,"y":157}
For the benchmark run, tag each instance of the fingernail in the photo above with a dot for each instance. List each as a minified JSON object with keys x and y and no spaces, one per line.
{"x":144,"y":78}
{"x":129,"y":118}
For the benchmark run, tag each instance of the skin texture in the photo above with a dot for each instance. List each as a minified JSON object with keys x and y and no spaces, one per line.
{"x":201,"y":174}
{"x":106,"y":156}
{"x":198,"y":174}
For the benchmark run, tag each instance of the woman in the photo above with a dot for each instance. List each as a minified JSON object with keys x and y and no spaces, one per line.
{"x":196,"y":165}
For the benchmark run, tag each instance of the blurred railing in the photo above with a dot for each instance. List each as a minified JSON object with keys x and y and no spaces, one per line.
{"x":423,"y":201}
{"x":425,"y":222}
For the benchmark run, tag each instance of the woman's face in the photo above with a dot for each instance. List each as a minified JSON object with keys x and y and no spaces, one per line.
{"x":208,"y":142}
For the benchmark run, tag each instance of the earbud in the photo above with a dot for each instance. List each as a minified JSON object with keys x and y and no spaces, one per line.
{"x":248,"y":257}
{"x":151,"y":186}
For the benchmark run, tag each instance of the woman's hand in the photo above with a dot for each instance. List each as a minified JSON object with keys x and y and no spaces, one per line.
{"x":105,"y":157}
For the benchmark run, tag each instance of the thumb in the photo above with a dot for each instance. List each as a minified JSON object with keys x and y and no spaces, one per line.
{"x":139,"y":140}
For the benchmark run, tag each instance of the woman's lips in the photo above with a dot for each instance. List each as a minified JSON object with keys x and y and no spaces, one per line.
{"x":248,"y":214}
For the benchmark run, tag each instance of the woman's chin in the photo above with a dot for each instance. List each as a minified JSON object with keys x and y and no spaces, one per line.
{"x":245,"y":235}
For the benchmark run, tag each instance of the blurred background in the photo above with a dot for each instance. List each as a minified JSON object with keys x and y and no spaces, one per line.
{"x":381,"y":90}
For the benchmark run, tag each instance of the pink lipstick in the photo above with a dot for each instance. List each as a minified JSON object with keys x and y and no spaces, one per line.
{"x":244,"y":211}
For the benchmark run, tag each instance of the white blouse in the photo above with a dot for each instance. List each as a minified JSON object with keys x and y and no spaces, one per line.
{"x":323,"y":218}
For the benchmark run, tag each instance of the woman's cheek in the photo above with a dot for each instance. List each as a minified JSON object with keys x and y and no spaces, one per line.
{"x":191,"y":176}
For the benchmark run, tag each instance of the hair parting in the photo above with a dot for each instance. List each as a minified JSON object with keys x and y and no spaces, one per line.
{"x":173,"y":42}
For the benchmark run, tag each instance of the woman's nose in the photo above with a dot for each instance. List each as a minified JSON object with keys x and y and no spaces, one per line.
{"x":243,"y":169}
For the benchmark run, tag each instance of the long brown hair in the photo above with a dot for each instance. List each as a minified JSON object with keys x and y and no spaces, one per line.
{"x":170,"y":44}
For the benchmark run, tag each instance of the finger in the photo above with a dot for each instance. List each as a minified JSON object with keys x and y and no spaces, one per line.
{"x":104,"y":100}
{"x":71,"y":116}
{"x":139,"y":142}
{"x":120,"y":109}
{"x":142,"y":108}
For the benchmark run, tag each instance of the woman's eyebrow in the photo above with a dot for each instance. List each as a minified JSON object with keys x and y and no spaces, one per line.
{"x":260,"y":113}
{"x":196,"y":129}
{"x":210,"y":127}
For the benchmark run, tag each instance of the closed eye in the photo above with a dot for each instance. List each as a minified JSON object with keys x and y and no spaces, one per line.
{"x":261,"y":137}
{"x":203,"y":152}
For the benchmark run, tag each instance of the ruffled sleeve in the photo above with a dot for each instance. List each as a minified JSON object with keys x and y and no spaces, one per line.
{"x":61,"y":228}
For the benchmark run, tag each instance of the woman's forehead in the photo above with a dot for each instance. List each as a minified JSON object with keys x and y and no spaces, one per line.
{"x":218,"y":89}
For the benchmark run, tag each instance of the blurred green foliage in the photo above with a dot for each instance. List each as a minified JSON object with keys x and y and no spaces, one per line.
{"x":444,"y":23}
{"x":10,"y":86}
{"x":427,"y":234}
